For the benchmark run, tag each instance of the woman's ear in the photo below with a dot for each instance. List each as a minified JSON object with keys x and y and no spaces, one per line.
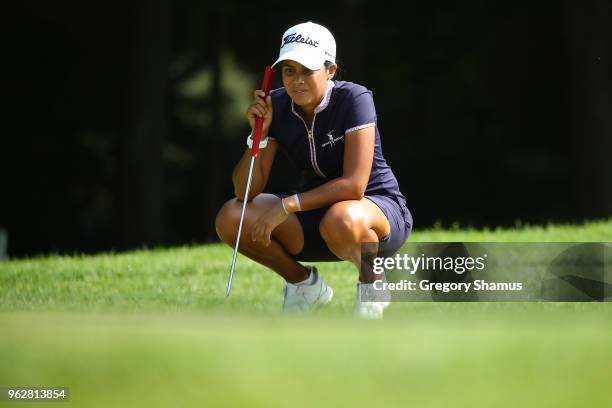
{"x":331,"y":71}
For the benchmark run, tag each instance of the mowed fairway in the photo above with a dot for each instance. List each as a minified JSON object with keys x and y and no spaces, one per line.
{"x":153,"y":329}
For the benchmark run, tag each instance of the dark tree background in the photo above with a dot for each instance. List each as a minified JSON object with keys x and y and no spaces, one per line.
{"x":122,"y":121}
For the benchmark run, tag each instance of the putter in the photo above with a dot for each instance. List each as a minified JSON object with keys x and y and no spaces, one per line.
{"x":265,"y":86}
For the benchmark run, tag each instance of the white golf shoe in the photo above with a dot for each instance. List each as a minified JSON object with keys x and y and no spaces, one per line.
{"x":369,"y":302}
{"x":303,"y":298}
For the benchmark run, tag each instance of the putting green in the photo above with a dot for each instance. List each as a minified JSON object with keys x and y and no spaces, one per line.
{"x":153,"y":329}
{"x":464,"y":355}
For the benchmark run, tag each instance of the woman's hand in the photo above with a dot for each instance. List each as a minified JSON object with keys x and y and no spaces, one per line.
{"x":260,"y":108}
{"x":264,"y":226}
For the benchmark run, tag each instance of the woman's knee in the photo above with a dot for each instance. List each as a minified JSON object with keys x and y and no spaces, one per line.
{"x":342,"y":226}
{"x":228,"y":217}
{"x":227,"y":220}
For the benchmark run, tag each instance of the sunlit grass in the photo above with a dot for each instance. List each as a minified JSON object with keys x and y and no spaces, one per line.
{"x":153,"y":329}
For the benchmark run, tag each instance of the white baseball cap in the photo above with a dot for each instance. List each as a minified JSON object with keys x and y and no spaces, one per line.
{"x":309,"y":44}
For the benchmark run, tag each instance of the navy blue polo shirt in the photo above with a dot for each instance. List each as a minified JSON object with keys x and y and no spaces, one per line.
{"x":319,"y":152}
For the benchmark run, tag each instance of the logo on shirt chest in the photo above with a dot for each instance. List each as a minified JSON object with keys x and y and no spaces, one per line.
{"x":331,"y":140}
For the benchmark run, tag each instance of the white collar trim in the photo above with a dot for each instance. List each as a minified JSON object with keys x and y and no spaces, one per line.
{"x":326,"y":98}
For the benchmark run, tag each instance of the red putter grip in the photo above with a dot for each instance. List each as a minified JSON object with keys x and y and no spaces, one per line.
{"x":265,"y":86}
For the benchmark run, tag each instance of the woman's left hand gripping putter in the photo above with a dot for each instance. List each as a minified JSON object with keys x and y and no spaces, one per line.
{"x":265,"y":86}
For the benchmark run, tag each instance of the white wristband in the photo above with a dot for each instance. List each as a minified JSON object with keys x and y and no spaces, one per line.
{"x":262,"y":143}
{"x":297,"y":202}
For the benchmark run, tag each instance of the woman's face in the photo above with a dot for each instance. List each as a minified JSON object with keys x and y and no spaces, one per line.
{"x":305,"y":86}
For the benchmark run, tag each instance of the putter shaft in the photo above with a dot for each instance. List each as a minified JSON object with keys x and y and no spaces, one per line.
{"x":244,"y":203}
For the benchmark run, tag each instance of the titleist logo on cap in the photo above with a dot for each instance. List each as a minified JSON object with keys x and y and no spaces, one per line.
{"x":294,"y":37}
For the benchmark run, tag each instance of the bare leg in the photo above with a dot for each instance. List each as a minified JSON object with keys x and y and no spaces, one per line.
{"x":286,"y":239}
{"x":348,"y":224}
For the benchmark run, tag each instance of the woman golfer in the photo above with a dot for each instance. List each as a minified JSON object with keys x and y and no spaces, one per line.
{"x":347,"y":194}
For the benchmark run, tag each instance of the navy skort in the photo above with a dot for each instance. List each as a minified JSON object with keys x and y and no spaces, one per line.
{"x":316,"y":250}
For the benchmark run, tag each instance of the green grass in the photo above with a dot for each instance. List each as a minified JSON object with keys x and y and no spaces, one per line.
{"x":153,"y":329}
